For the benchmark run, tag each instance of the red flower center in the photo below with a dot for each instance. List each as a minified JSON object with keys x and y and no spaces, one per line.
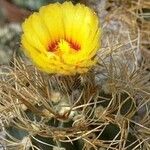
{"x":53,"y":46}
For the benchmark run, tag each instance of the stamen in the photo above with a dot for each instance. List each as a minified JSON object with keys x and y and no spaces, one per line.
{"x":52,"y":47}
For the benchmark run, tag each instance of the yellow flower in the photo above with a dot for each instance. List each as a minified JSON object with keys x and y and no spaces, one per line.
{"x":62,"y":38}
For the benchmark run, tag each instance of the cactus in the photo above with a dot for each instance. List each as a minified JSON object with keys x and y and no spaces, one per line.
{"x":106,"y":108}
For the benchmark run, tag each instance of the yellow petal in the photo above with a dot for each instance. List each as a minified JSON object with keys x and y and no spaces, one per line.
{"x":62,"y":38}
